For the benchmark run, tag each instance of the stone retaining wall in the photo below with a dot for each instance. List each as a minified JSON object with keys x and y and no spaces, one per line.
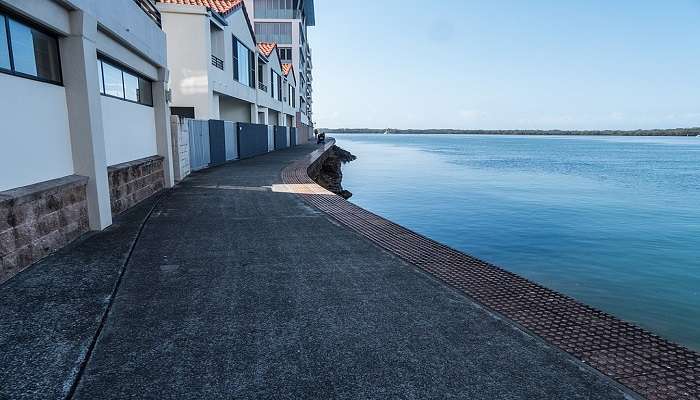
{"x":134,"y":181}
{"x":38,"y":219}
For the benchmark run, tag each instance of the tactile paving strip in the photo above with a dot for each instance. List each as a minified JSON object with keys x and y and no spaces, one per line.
{"x":647,"y":364}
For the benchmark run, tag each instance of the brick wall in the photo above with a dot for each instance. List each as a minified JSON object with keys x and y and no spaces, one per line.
{"x":134,"y":181}
{"x":39,"y":219}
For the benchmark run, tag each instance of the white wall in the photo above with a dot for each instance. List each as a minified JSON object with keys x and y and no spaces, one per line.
{"x":273,"y":117}
{"x":189,"y":58}
{"x":130,"y":130}
{"x":234,"y":110}
{"x":121,"y":18}
{"x":221,"y":81}
{"x":115,"y":50}
{"x":35,"y":135}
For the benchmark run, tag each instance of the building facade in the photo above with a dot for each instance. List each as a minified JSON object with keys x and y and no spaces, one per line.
{"x":83,"y":88}
{"x":285,"y":23}
{"x":219,"y":70}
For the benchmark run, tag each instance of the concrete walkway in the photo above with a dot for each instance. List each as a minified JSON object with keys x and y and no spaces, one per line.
{"x":226,"y":294}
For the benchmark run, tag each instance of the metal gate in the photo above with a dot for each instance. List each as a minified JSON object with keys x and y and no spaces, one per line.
{"x":252,"y":139}
{"x":217,"y":142}
{"x":231,"y":142}
{"x":292,"y":137}
{"x":199,"y":144}
{"x":280,"y":137}
{"x":270,"y":138}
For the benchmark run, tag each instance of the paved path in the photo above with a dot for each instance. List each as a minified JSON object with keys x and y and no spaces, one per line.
{"x":225,"y":295}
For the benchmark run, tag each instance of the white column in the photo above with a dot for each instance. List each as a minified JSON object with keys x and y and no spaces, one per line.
{"x":79,"y":55}
{"x":254,"y":113}
{"x":163,"y":138}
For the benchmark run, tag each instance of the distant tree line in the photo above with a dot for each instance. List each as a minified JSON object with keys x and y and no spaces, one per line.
{"x":638,"y":132}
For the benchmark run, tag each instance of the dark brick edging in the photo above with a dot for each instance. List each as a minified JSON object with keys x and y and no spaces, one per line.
{"x":643,"y":362}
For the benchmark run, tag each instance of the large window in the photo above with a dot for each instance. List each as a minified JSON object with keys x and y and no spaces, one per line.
{"x":28,"y":52}
{"x":272,"y":9}
{"x":276,"y":86}
{"x":273,"y":83}
{"x":119,"y":82}
{"x":243,"y":64}
{"x":285,"y":54}
{"x":279,"y":88}
{"x":274,"y":32}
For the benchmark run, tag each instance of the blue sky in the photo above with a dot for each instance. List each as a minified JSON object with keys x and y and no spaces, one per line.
{"x":507,"y":64}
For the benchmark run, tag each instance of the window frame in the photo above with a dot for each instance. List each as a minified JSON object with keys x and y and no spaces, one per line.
{"x":236,"y":73}
{"x":5,"y":20}
{"x":252,"y":69}
{"x":113,"y":63}
{"x":272,"y":82}
{"x":279,"y":88}
{"x":252,"y":60}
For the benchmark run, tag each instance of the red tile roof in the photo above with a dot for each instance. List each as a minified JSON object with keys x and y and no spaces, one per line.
{"x":266,"y":48}
{"x":286,"y":68}
{"x":220,"y":6}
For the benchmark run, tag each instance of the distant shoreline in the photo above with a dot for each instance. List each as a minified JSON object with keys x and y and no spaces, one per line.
{"x":688,"y":132}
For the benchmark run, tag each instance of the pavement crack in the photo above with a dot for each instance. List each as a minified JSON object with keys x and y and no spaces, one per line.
{"x":105,"y":315}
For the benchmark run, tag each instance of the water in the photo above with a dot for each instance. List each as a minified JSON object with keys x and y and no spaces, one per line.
{"x":611,"y":221}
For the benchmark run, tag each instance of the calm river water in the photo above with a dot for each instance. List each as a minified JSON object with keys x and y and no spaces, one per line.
{"x":611,"y":221}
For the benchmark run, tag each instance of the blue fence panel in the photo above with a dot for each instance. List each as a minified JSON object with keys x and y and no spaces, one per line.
{"x":280,"y":137}
{"x":231,"y":140}
{"x":293,"y":137}
{"x":217,"y":142}
{"x":252,"y":139}
{"x":199,"y":144}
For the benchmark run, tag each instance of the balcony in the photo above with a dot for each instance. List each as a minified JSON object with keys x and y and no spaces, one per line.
{"x":149,"y":7}
{"x":262,"y":86}
{"x":217,"y":62}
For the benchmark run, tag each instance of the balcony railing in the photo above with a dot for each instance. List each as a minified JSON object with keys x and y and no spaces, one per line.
{"x":262,"y":86}
{"x":149,"y":7}
{"x":217,"y":62}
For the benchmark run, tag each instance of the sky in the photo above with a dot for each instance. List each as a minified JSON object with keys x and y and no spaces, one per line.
{"x":506,"y":64}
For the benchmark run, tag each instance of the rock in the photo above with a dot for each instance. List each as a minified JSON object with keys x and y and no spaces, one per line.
{"x":331,"y":175}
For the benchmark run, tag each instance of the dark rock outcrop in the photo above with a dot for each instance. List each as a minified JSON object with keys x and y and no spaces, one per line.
{"x":330,"y":175}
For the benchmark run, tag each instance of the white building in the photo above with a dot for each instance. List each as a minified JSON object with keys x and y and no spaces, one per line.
{"x":85,"y":119}
{"x":218,"y":70}
{"x":274,"y":106}
{"x":285,"y":22}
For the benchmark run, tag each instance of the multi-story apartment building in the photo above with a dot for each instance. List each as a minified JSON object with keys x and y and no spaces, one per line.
{"x":218,"y":68}
{"x":285,"y":22}
{"x":85,"y":119}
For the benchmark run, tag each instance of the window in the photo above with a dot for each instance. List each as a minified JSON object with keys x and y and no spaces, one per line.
{"x":243,"y":76}
{"x":261,"y":75}
{"x":274,"y":32}
{"x":4,"y":45}
{"x":123,"y":84}
{"x":131,"y":87}
{"x":275,"y":9}
{"x":112,"y":80}
{"x":273,"y":83}
{"x":243,"y":64}
{"x":292,"y":96}
{"x":235,"y":59}
{"x":145,"y":91}
{"x":28,"y":52}
{"x":285,"y":54}
{"x":251,"y":59}
{"x":279,"y":88}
